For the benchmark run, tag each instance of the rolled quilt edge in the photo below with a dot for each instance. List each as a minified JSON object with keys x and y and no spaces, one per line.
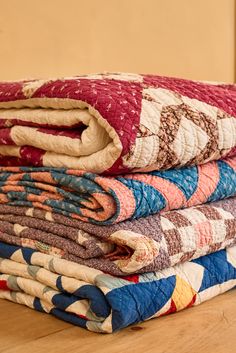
{"x":115,"y":122}
{"x":148,"y":244}
{"x":107,"y":200}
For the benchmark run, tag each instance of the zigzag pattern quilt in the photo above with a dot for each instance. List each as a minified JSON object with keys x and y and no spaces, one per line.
{"x":115,"y":123}
{"x":107,"y":200}
{"x":139,"y":246}
{"x":103,"y":303}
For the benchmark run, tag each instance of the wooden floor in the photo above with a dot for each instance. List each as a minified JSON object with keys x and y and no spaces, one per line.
{"x":208,"y":328}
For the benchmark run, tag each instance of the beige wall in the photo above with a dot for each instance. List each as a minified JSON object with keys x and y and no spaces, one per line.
{"x":189,"y":38}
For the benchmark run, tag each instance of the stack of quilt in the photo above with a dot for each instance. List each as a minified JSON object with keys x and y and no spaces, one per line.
{"x":117,"y":196}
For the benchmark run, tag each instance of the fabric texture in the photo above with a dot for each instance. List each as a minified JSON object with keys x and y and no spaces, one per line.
{"x":117,"y":196}
{"x":138,"y":246}
{"x":103,"y":303}
{"x":115,"y":122}
{"x":107,"y":200}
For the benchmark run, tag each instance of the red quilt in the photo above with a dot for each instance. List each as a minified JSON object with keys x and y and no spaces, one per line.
{"x":115,"y":123}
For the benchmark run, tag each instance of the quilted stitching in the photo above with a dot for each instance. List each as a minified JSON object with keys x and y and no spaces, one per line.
{"x":99,"y":302}
{"x":108,"y":200}
{"x":154,"y":122}
{"x":141,"y":246}
{"x":178,"y":136}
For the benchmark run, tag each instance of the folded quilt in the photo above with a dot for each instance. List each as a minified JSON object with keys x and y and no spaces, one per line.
{"x":103,"y":303}
{"x":148,"y":244}
{"x":115,"y":122}
{"x":107,"y":200}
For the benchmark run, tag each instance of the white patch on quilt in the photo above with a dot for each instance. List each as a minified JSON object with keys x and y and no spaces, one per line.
{"x":6,"y":150}
{"x":214,"y":291}
{"x":192,"y":273}
{"x":79,"y":307}
{"x":48,"y":280}
{"x":80,"y":237}
{"x":105,"y":290}
{"x":107,"y":324}
{"x":144,"y":150}
{"x":231,"y":256}
{"x":30,"y":212}
{"x":164,"y":96}
{"x":48,"y":216}
{"x":215,"y":83}
{"x":20,"y":298}
{"x":224,"y":214}
{"x":196,"y":137}
{"x":23,"y":298}
{"x":176,"y":258}
{"x":188,"y":238}
{"x":30,"y":88}
{"x":166,"y":224}
{"x":18,"y":257}
{"x":37,"y":289}
{"x":227,"y":132}
{"x":147,"y":147}
{"x":167,"y":272}
{"x":193,"y":215}
{"x":201,"y":251}
{"x":119,"y":76}
{"x":219,"y":230}
{"x":203,"y":107}
{"x":68,"y":268}
{"x":46,"y":306}
{"x":70,"y":284}
{"x":163,"y":310}
{"x":163,"y":244}
{"x":18,"y":228}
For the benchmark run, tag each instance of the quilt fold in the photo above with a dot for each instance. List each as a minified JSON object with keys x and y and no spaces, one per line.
{"x":107,"y":200}
{"x":117,"y":196}
{"x":103,"y":303}
{"x":137,"y":246}
{"x":115,"y":122}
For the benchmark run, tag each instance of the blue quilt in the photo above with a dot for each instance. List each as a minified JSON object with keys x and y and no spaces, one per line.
{"x":104,"y":303}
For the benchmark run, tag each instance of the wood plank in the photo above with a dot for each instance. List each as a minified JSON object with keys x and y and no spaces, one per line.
{"x":21,"y":325}
{"x":207,"y":328}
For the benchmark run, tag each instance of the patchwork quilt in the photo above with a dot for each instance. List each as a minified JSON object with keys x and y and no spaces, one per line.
{"x":117,"y":196}
{"x":107,"y":200}
{"x":115,"y":122}
{"x":147,"y":244}
{"x":103,"y":303}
